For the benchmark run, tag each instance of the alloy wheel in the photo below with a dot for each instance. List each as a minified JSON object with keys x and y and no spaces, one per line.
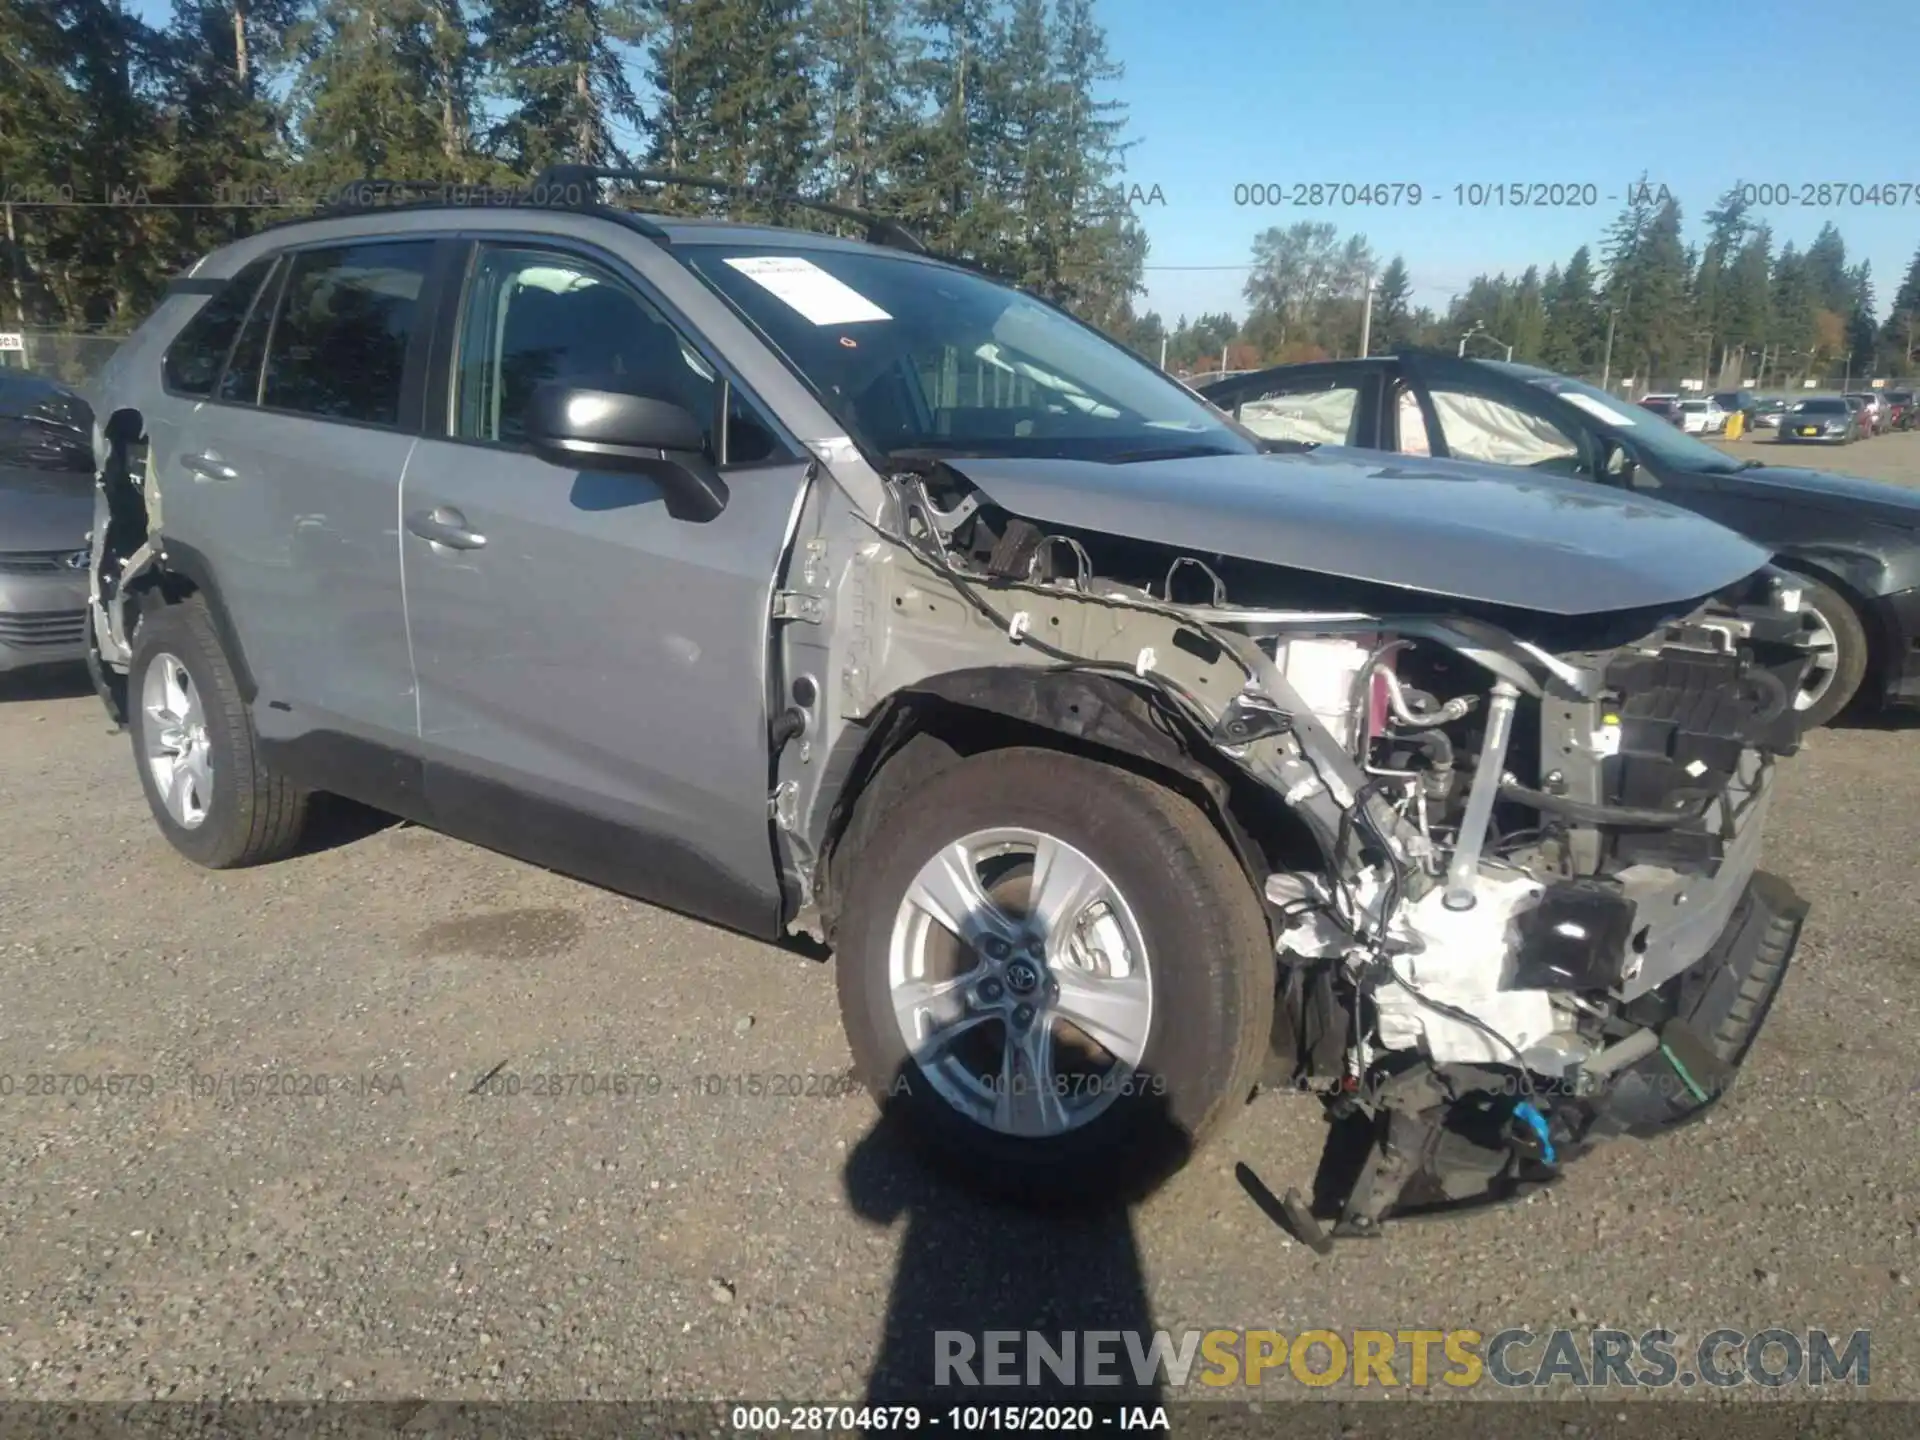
{"x":1020,"y":981}
{"x":1823,"y":645}
{"x":178,"y":752}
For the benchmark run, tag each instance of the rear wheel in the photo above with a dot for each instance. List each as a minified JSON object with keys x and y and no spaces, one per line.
{"x":1834,"y":633}
{"x":1054,"y":975}
{"x":210,"y":793}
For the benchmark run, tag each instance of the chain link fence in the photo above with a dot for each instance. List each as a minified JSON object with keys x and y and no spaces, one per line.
{"x":71,"y":357}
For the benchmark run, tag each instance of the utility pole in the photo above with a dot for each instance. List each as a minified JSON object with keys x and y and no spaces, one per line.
{"x":1606,"y":365}
{"x":1163,"y":350}
{"x":1223,"y":355}
{"x":1366,"y":320}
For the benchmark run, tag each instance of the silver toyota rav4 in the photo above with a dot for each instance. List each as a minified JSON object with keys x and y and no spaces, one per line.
{"x":823,"y":588}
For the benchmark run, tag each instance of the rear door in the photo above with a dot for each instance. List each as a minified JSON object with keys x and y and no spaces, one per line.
{"x":593,"y":672}
{"x":290,"y":474}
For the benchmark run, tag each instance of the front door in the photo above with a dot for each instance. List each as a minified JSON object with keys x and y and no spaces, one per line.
{"x":1465,"y":411}
{"x":593,"y":672}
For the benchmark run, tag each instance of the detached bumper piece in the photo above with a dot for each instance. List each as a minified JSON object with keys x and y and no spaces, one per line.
{"x":1422,"y":1145}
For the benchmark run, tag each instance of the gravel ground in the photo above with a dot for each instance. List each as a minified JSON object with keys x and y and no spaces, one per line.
{"x":416,"y":1238}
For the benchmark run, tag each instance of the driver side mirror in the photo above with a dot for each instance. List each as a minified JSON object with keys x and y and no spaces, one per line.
{"x":599,"y":426}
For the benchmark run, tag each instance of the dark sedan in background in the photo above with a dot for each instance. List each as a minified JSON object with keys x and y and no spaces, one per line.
{"x":46,"y":510}
{"x":1856,"y":542}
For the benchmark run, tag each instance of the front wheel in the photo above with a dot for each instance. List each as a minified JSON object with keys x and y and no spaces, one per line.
{"x":1833,"y":632}
{"x":1054,"y":976}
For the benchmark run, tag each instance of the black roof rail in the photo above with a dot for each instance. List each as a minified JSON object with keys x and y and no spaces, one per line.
{"x":560,"y":179}
{"x":372,"y":195}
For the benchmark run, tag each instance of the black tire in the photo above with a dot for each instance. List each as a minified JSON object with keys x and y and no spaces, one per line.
{"x":252,"y":815}
{"x":1210,"y":963}
{"x":1852,"y":650}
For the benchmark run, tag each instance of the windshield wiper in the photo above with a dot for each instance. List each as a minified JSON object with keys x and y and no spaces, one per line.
{"x":1753,"y":464}
{"x":1164,"y":452}
{"x":925,"y":457}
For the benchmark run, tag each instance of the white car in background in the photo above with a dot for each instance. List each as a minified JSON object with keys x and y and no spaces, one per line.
{"x":1702,"y":417}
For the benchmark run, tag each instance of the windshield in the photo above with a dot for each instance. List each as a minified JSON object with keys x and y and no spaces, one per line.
{"x":1821,"y":407}
{"x":1665,"y":443}
{"x":913,"y":356}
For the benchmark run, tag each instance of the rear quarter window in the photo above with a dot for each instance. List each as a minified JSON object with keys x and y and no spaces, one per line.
{"x":194,"y":360}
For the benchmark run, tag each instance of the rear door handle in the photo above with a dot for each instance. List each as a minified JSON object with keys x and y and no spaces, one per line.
{"x":444,"y":525}
{"x":205,"y":465}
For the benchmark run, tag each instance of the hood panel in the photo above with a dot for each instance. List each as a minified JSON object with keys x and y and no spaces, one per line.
{"x":1465,"y":531}
{"x":1896,"y":504}
{"x":44,"y":509}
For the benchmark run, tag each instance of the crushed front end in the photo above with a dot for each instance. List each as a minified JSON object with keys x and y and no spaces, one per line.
{"x":1574,"y":941}
{"x":1509,"y":854}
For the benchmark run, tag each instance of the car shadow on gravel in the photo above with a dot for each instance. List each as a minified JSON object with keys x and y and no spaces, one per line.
{"x":52,"y":682}
{"x":1888,"y":720}
{"x":970,"y":1266}
{"x":334,"y":821}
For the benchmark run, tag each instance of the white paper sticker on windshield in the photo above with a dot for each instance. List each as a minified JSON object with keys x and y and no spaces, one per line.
{"x":807,"y":288}
{"x":1594,"y":407}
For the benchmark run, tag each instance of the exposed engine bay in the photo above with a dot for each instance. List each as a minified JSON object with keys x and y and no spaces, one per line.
{"x":1529,"y":886}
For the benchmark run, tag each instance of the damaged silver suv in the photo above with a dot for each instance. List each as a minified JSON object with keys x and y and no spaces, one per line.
{"x":822,"y":587}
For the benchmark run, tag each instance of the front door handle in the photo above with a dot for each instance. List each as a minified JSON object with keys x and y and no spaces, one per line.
{"x":444,"y":525}
{"x":205,"y":465}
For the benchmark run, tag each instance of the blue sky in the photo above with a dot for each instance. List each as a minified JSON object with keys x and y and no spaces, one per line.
{"x":1698,"y":93}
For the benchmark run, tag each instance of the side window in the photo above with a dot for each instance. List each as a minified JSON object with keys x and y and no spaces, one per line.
{"x":194,"y":358}
{"x":240,"y":381}
{"x":1321,"y":411}
{"x":532,"y":316}
{"x":1476,"y":428}
{"x":340,"y":339}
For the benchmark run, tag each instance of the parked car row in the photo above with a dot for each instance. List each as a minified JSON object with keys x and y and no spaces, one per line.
{"x":1126,"y":747}
{"x":1812,"y":418}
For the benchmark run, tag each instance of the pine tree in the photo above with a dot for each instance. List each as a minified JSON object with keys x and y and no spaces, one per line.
{"x":737,"y":99}
{"x":82,"y":139}
{"x":937,"y":185}
{"x":1826,"y":269}
{"x":1575,"y":324}
{"x":1647,"y":285}
{"x":558,"y":66}
{"x":1727,"y":230}
{"x":1793,"y":330}
{"x":39,"y":115}
{"x":1744,"y":306}
{"x":862,"y":52}
{"x":1861,"y":330}
{"x":383,"y":92}
{"x":1101,"y":249}
{"x":1900,"y":335}
{"x":1392,"y":309}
